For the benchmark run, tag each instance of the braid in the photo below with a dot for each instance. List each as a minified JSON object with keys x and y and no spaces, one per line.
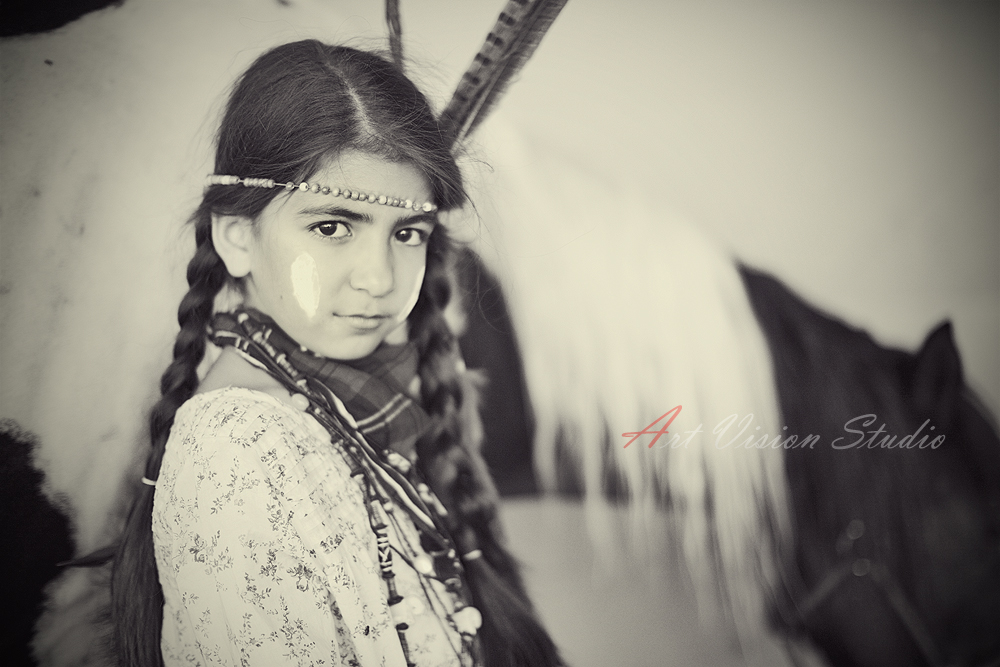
{"x":137,"y":622}
{"x":451,"y":462}
{"x":206,"y":274}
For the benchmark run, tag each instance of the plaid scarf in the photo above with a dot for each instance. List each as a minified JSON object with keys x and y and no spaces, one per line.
{"x":373,"y":388}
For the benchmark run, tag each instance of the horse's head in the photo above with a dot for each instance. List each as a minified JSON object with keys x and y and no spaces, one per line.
{"x":896,"y":557}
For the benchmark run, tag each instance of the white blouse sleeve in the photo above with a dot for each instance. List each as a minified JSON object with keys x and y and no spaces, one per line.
{"x":262,"y":543}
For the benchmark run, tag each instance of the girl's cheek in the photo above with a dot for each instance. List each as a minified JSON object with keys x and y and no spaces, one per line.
{"x":414,"y":295}
{"x":305,"y":284}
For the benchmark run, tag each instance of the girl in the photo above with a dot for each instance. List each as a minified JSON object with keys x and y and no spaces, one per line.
{"x":318,"y":498}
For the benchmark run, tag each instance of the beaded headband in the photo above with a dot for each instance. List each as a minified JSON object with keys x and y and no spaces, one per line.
{"x":426,"y":207}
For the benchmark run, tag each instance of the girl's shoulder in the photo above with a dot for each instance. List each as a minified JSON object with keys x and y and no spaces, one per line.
{"x":238,"y":399}
{"x":250,"y":432}
{"x":243,"y":415}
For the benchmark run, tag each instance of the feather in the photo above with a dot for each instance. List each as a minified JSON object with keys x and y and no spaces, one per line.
{"x":513,"y":40}
{"x":395,"y":31}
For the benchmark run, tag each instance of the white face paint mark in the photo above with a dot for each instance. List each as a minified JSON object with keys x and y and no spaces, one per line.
{"x":305,"y":284}
{"x":412,"y":301}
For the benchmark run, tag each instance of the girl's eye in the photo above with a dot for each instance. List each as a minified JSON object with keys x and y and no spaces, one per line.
{"x":332,"y":230}
{"x":412,"y":236}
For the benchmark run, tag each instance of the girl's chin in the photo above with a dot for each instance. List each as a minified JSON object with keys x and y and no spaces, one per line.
{"x":344,"y":338}
{"x":347,"y":353}
{"x":351,"y":347}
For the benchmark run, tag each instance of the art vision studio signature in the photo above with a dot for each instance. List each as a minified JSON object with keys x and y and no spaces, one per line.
{"x":734,"y":432}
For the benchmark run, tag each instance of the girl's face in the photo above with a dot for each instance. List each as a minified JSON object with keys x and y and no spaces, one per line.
{"x":340,"y":275}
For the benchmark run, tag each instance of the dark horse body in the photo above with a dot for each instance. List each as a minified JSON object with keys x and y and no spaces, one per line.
{"x":36,"y":536}
{"x":896,"y":550}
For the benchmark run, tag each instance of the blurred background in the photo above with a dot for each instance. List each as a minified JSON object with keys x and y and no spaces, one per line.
{"x":852,"y":148}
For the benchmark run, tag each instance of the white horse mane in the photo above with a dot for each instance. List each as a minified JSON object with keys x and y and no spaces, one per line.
{"x":622,"y":312}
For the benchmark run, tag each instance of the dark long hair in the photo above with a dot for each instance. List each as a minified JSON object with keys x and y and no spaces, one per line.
{"x":296,"y":107}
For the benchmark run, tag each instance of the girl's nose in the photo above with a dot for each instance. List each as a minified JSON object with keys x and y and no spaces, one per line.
{"x":373,"y":269}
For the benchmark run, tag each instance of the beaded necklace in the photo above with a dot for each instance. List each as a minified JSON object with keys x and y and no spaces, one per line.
{"x":389,"y":479}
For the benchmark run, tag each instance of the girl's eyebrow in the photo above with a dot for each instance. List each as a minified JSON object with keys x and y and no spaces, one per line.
{"x":429,"y":218}
{"x":337,"y":211}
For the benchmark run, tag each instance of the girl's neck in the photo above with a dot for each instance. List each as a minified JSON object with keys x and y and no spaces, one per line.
{"x":232,"y":370}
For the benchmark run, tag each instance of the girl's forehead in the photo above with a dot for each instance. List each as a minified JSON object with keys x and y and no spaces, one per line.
{"x":372,"y":174}
{"x":366,"y":185}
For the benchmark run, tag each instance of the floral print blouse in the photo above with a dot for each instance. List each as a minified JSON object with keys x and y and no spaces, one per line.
{"x":265,"y":552}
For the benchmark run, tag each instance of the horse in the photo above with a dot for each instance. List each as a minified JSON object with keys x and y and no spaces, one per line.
{"x":858,"y":507}
{"x":876,"y":553}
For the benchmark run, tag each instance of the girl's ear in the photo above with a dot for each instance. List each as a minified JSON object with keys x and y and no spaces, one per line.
{"x":232,"y":236}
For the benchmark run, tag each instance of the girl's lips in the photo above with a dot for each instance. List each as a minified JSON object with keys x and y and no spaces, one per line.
{"x":364,"y":321}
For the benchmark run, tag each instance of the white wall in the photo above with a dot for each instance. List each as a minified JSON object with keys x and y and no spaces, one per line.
{"x":851,"y":147}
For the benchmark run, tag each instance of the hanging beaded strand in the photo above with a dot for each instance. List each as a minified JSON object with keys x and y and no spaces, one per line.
{"x":464,"y":618}
{"x":354,"y":195}
{"x":379,"y":525}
